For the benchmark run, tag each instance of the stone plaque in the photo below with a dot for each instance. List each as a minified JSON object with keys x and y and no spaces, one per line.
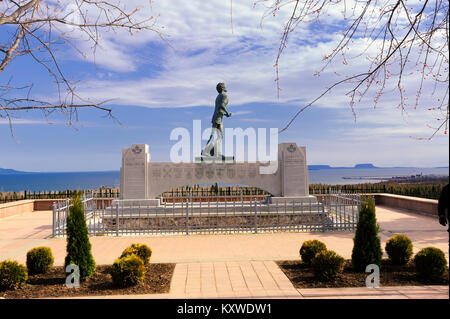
{"x":252,"y":171}
{"x":231,"y":172}
{"x":209,"y":172}
{"x":242,"y":170}
{"x":134,"y":171}
{"x":199,"y":171}
{"x":188,"y":172}
{"x":156,"y":173}
{"x":294,"y":170}
{"x":178,"y":172}
{"x":220,"y":172}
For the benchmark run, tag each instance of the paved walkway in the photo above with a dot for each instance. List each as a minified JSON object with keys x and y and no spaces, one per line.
{"x":263,"y":279}
{"x":238,"y":265}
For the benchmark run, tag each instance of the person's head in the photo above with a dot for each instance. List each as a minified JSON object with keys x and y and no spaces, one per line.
{"x":221,"y":87}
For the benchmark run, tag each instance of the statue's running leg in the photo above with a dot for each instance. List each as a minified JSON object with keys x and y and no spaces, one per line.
{"x":213,"y":148}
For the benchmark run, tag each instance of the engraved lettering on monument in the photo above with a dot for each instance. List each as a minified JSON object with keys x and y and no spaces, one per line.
{"x":219,"y":171}
{"x":178,"y":172}
{"x":156,"y":173}
{"x":167,"y":172}
{"x":242,"y":170}
{"x":199,"y":171}
{"x":188,"y":172}
{"x":231,"y":172}
{"x":252,"y":170}
{"x":209,"y":172}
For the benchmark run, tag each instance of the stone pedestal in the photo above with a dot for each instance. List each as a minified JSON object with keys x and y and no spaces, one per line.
{"x":141,"y":181}
{"x":306,"y":200}
{"x":154,"y":202}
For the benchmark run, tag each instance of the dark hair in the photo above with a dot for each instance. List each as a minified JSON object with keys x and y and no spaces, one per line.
{"x":220,"y":86}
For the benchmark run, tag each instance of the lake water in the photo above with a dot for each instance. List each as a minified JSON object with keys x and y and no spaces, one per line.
{"x":93,"y":180}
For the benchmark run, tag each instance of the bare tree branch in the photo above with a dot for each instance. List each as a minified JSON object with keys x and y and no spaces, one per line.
{"x":398,"y":31}
{"x":39,"y":28}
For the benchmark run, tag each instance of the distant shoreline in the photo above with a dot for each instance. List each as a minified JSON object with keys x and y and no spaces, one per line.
{"x":4,"y":171}
{"x":55,"y":181}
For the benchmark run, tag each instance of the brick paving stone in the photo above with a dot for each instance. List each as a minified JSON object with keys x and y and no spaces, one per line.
{"x":291,"y":293}
{"x":259,"y":293}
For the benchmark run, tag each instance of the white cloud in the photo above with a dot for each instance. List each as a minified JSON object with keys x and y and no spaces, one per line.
{"x":209,"y":49}
{"x":241,"y":113}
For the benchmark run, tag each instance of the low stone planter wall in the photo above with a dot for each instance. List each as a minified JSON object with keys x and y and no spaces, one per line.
{"x":416,"y":205}
{"x":422,"y":206}
{"x":47,"y":204}
{"x":17,"y":207}
{"x":30,"y":205}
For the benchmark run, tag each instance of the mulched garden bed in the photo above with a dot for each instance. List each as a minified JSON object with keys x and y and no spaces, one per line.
{"x":302,"y":276}
{"x":52,"y":284}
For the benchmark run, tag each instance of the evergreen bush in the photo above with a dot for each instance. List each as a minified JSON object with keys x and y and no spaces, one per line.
{"x":39,"y":260}
{"x":78,"y":245}
{"x":399,"y":249}
{"x":366,"y":243}
{"x":12,"y":275}
{"x":327,"y":265}
{"x":140,"y":250}
{"x":128,"y":271}
{"x":430,"y":263}
{"x":310,"y":248}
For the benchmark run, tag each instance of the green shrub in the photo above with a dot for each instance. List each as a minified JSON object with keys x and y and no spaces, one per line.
{"x":366,"y":243}
{"x":128,"y":271}
{"x":39,"y":260}
{"x":78,"y":245}
{"x":310,"y":248}
{"x":327,"y":265}
{"x":140,"y":250}
{"x":12,"y":275}
{"x":399,"y":249}
{"x":430,"y":263}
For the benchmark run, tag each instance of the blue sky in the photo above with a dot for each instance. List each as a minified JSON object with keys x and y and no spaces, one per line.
{"x":156,"y":89}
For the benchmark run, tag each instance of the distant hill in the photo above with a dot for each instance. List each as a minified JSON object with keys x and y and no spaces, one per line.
{"x":317,"y":167}
{"x":6,"y":171}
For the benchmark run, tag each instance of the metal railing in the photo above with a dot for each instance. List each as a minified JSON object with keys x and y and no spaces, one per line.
{"x":432,"y":191}
{"x":61,"y":212}
{"x":228,"y":214}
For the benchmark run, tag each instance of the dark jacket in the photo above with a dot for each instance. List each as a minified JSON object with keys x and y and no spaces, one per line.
{"x":443,"y":203}
{"x":221,"y":108}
